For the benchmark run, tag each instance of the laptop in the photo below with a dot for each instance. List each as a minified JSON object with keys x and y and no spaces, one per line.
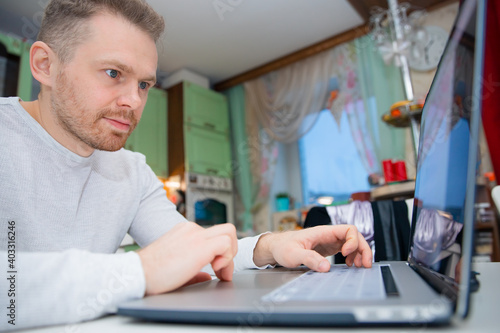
{"x":432,"y":286}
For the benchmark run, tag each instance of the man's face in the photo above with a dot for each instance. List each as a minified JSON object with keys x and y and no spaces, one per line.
{"x":99,"y":95}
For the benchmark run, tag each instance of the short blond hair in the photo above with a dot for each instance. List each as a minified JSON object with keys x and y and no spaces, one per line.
{"x":64,"y":22}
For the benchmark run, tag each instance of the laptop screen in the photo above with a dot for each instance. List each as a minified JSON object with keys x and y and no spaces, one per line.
{"x":447,"y":141}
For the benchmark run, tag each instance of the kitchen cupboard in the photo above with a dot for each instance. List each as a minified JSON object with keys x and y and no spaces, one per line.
{"x":198,"y":141}
{"x":205,"y":108}
{"x":207,"y":152}
{"x":15,"y":71}
{"x":150,"y":136}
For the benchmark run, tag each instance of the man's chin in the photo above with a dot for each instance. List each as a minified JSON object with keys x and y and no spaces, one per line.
{"x":106,"y":140}
{"x":111,"y":145}
{"x":110,"y":148}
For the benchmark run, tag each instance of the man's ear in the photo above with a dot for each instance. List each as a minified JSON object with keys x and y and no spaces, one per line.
{"x":43,"y":62}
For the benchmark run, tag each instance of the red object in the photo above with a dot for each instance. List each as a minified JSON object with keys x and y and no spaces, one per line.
{"x":388,"y":171}
{"x":400,"y":170}
{"x":490,"y":176}
{"x":491,"y":79}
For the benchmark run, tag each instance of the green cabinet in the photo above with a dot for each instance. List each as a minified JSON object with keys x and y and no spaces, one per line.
{"x":205,"y":108}
{"x":150,"y":135}
{"x":207,"y":152}
{"x":198,"y":131}
{"x":19,"y":52}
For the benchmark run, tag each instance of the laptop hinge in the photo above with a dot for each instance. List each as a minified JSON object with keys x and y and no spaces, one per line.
{"x":440,"y":283}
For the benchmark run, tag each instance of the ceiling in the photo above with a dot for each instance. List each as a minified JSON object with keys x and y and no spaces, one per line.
{"x":220,"y":39}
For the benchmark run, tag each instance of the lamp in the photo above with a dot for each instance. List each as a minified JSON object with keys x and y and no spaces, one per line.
{"x":396,"y":34}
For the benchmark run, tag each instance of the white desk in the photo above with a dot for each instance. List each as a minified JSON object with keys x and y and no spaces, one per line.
{"x":484,"y":317}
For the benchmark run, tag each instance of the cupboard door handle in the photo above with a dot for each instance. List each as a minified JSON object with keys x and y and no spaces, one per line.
{"x":209,"y":125}
{"x":212,"y":171}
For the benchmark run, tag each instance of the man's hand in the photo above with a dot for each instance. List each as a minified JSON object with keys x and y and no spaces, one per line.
{"x":310,"y":246}
{"x":176,"y":258}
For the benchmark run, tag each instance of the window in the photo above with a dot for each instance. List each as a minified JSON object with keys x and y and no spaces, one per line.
{"x":330,"y":163}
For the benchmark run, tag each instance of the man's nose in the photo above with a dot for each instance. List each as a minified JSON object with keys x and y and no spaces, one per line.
{"x":129,"y":96}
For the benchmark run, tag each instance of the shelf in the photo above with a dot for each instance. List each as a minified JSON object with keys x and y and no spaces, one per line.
{"x":401,"y":115}
{"x":491,"y":227}
{"x":485,"y":225}
{"x":394,"y":190}
{"x":406,"y":114}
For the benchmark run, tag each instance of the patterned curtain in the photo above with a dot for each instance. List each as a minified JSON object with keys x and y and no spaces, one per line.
{"x":348,"y":99}
{"x":263,"y":155}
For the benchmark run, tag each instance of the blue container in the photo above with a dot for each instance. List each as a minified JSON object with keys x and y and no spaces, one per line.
{"x":282,"y":204}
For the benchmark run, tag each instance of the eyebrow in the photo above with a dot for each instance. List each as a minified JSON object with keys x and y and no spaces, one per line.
{"x":126,"y":69}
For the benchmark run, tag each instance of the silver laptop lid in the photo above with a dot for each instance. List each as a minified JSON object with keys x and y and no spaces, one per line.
{"x":443,"y":214}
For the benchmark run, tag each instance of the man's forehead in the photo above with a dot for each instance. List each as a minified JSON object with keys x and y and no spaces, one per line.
{"x":113,"y":28}
{"x":114,"y":40}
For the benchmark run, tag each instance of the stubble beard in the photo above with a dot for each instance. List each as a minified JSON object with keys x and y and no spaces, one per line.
{"x":86,"y":125}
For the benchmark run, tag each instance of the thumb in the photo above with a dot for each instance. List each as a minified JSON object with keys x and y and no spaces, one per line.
{"x":314,"y":260}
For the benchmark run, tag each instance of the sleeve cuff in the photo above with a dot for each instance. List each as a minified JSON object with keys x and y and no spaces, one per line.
{"x":244,"y":257}
{"x":138,"y":289}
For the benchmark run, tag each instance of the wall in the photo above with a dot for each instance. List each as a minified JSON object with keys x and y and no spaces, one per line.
{"x":443,"y":17}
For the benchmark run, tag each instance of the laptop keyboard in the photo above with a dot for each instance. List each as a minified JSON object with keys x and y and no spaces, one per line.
{"x":341,"y":283}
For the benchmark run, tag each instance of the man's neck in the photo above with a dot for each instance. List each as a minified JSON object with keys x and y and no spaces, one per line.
{"x":40,"y":111}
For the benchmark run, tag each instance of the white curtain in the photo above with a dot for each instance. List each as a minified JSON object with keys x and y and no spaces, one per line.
{"x":282,"y":99}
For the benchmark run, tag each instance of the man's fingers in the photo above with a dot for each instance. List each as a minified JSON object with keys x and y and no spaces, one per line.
{"x":194,"y":247}
{"x":364,"y":252}
{"x":309,"y":246}
{"x":356,"y":249}
{"x":224,"y":229}
{"x":221,"y":261}
{"x":360,"y":258}
{"x":226,"y":272}
{"x":358,"y":261}
{"x":354,"y":243}
{"x":313,"y":260}
{"x":367,"y":258}
{"x":222,"y":251}
{"x":340,"y":233}
{"x":351,"y":241}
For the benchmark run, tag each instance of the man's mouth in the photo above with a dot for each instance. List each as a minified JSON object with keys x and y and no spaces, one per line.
{"x":120,"y":124}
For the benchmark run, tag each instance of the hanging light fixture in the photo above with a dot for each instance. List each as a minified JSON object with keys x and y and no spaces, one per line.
{"x":396,"y":33}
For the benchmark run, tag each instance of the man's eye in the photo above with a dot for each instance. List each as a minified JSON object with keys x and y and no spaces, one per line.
{"x":112,"y":73}
{"x":143,"y":85}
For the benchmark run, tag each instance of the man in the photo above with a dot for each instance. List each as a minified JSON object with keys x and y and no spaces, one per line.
{"x":70,"y":193}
